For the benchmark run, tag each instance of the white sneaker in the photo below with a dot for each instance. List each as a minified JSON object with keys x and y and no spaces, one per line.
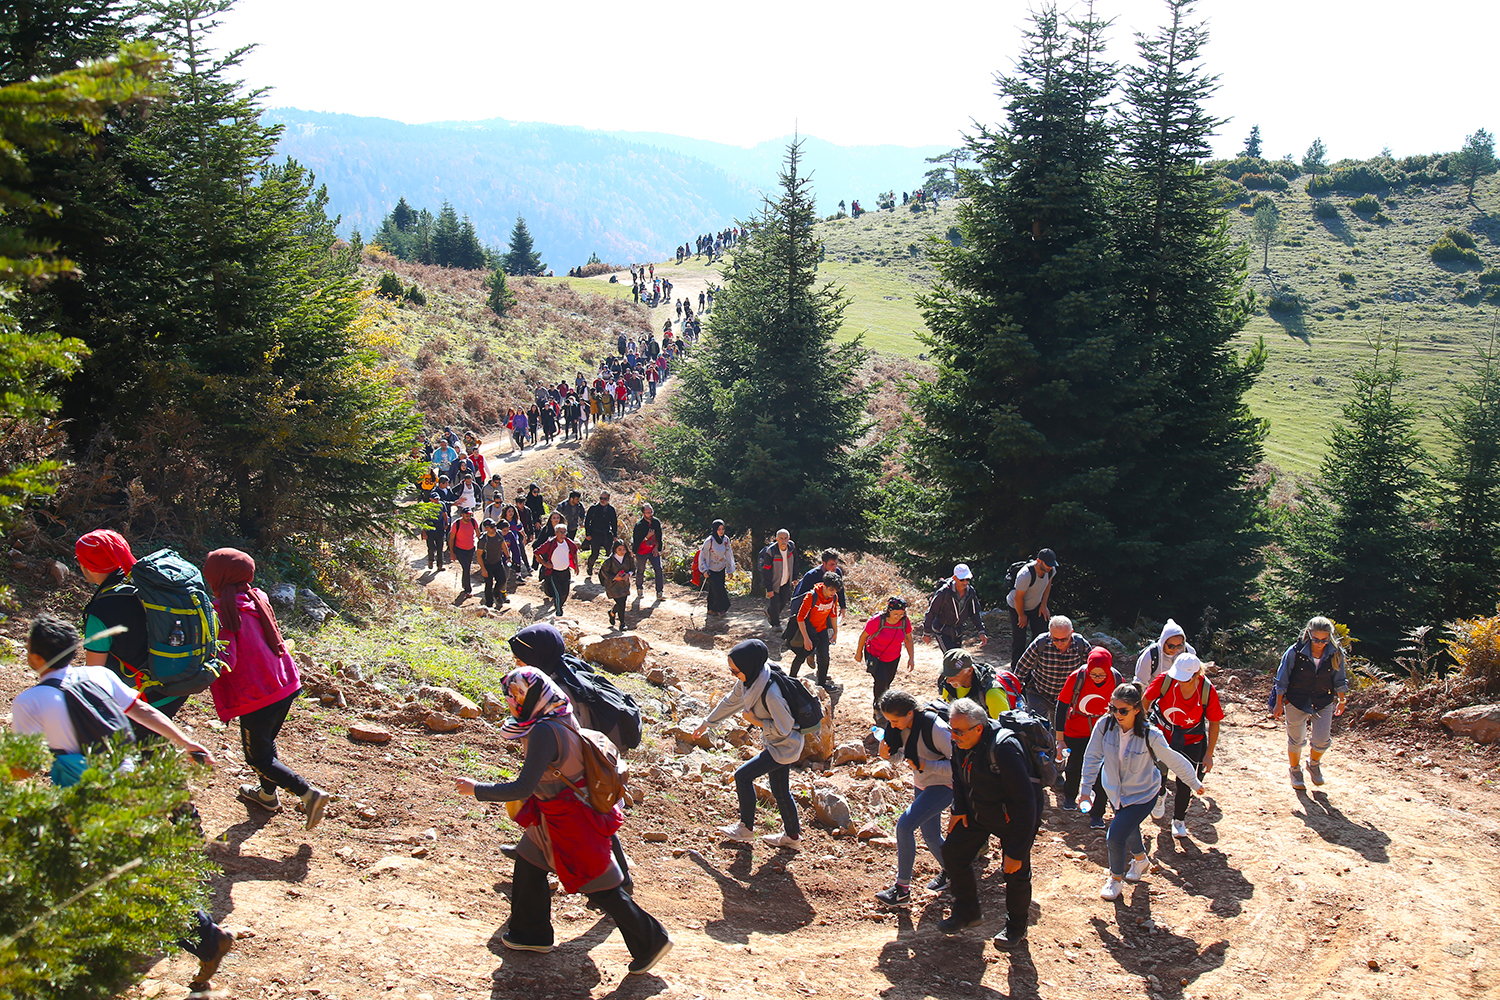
{"x":1138,"y":867}
{"x":738,"y":832}
{"x":783,"y":840}
{"x":1179,"y":828}
{"x":1112,"y":889}
{"x":1160,"y":809}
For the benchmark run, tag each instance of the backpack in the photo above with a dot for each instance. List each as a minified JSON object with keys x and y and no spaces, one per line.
{"x":986,"y":678}
{"x":603,"y":772}
{"x":95,"y":717}
{"x":791,"y":634}
{"x":1036,"y":740}
{"x":1176,"y":735}
{"x":806,"y":709}
{"x":930,"y":713}
{"x":182,"y":629}
{"x":609,"y":707}
{"x":1013,"y":572}
{"x":1165,"y":771}
{"x":697,"y":572}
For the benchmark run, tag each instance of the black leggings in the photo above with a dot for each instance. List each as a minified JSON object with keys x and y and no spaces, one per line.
{"x":819,"y":650}
{"x":1182,"y":794}
{"x":258,"y":732}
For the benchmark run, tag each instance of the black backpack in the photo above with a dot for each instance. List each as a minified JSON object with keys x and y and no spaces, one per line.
{"x":806,"y":709}
{"x":610,"y":709}
{"x":95,"y":717}
{"x":1036,"y":740}
{"x":929,"y":714}
{"x":1015,"y":571}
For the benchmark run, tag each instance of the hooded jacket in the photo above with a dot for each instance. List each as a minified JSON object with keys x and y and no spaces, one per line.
{"x":762,"y":699}
{"x":1145,"y":669}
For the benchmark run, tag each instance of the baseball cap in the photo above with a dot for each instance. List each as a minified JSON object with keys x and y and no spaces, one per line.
{"x":956,"y":661}
{"x":962,"y":572}
{"x":1184,"y":667}
{"x":1048,"y":558}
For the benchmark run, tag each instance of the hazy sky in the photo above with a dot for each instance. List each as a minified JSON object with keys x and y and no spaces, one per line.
{"x":1414,"y":77}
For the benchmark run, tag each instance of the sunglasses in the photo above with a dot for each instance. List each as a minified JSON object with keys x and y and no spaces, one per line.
{"x":1117,"y":710}
{"x":959,"y":732}
{"x":1173,"y":647}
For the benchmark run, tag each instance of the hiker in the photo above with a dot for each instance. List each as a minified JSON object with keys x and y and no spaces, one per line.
{"x":828,"y":562}
{"x":993,"y":794}
{"x":537,"y":505}
{"x":462,"y":538}
{"x":928,"y":746}
{"x":1189,"y":705}
{"x":778,"y":568}
{"x":494,"y":505}
{"x":601,"y":525}
{"x":1122,"y":754}
{"x":1084,"y":700}
{"x":43,"y":710}
{"x":493,"y":552}
{"x":467,"y":496}
{"x":880,"y":644}
{"x":646,"y":543}
{"x":575,"y":841}
{"x":755,"y":696}
{"x":1026,"y":604}
{"x":955,"y":603}
{"x":1045,"y":665}
{"x":436,"y":532}
{"x":572,"y":510}
{"x":261,"y":682}
{"x":519,"y":428}
{"x":961,"y":677}
{"x":105,"y":560}
{"x":1157,"y":658}
{"x":818,"y":623}
{"x":514,"y":531}
{"x":558,"y":559}
{"x":716,"y":560}
{"x":444,"y":455}
{"x":1311,"y":689}
{"x":614,"y":577}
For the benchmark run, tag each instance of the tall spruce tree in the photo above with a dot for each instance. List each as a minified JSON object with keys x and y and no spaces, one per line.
{"x":522,"y":259}
{"x":1192,"y":513}
{"x":767,"y":417}
{"x":1469,"y":507}
{"x":1041,"y":412}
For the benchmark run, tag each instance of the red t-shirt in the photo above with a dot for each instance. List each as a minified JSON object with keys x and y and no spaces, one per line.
{"x":818,"y":607}
{"x":1093,"y":703}
{"x":464,"y":532}
{"x":885,"y":640}
{"x":1181,"y":710}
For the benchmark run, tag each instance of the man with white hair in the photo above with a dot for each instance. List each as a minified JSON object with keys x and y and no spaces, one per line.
{"x":955,"y":603}
{"x":778,"y":571}
{"x":1045,"y":665}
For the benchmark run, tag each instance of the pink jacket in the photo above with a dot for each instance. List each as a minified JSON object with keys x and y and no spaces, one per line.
{"x":256,"y":677}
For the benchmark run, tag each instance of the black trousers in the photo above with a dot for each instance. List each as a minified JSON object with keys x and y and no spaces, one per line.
{"x":258,"y":732}
{"x":882,"y":673}
{"x":494,"y":584}
{"x":718,"y":593}
{"x":557,"y":585}
{"x":436,"y":549}
{"x":778,"y":602}
{"x":964,"y":844}
{"x":531,"y":913}
{"x":1183,"y":794}
{"x":1021,"y":635}
{"x":1074,"y":775}
{"x":465,"y":559}
{"x":819,"y":649}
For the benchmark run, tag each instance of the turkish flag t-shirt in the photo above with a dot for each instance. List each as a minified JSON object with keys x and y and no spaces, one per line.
{"x":1183,"y":710}
{"x":1092,"y":703}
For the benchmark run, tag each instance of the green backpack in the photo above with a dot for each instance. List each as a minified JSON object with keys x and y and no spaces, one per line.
{"x":182,"y":629}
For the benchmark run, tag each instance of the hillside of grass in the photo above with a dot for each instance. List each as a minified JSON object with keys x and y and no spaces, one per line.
{"x":1331,"y":283}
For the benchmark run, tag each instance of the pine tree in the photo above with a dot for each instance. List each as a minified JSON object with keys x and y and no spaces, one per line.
{"x":470,"y":252}
{"x":1264,"y":227}
{"x":521,"y":260}
{"x":445,"y":238}
{"x":1469,"y":508}
{"x":767,"y":419}
{"x":403,"y":217}
{"x":1189,"y":508}
{"x":1315,"y":160}
{"x":1475,"y":160}
{"x":1252,"y":143}
{"x":500,"y":299}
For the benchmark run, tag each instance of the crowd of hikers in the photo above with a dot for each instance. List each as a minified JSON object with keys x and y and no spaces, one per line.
{"x":712,"y":244}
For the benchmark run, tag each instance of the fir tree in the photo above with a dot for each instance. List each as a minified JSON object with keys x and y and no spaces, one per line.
{"x":445,"y":238}
{"x":769,"y":413}
{"x":1315,"y":160}
{"x":403,"y":217}
{"x":1469,"y":509}
{"x":500,"y":299}
{"x":1475,"y":160}
{"x":1252,"y":141}
{"x":521,"y":260}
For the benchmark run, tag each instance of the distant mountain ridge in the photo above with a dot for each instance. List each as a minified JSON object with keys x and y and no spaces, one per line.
{"x":627,"y":196}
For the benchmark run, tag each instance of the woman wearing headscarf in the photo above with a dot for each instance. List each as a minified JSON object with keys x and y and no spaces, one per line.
{"x":260,"y":684}
{"x":716,"y":560}
{"x":760,"y":701}
{"x":614,"y":577}
{"x":563,"y":832}
{"x":535,"y":503}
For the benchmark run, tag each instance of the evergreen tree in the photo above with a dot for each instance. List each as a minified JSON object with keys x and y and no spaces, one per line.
{"x":1252,"y":143}
{"x":768,"y":416}
{"x":1189,"y":507}
{"x":1475,"y":160}
{"x":445,"y":238}
{"x":1264,"y":227}
{"x":1041,"y":412}
{"x":470,"y":252}
{"x":403,"y":217}
{"x":1355,"y":548}
{"x":500,"y":299}
{"x":521,"y":260}
{"x":1469,"y":509}
{"x":1315,"y":160}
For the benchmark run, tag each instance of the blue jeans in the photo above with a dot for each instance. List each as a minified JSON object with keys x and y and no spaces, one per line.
{"x":926,"y":814}
{"x":1124,"y":835}
{"x":779,"y":778}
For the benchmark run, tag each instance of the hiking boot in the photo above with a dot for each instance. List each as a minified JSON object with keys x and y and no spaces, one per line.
{"x":1179,"y":828}
{"x":956,"y":923}
{"x":641,"y":966}
{"x":1010,"y":937}
{"x":896,"y":895}
{"x":252,"y":794}
{"x":738,"y":832}
{"x":314,"y":801}
{"x":1070,"y":804}
{"x":1137,"y":870}
{"x":1160,"y":808}
{"x":1112,"y":889}
{"x":213,"y":944}
{"x":938,"y":884}
{"x":1315,"y":772}
{"x":1297,"y":781}
{"x":783,"y":840}
{"x":514,"y":945}
{"x":1097,"y":823}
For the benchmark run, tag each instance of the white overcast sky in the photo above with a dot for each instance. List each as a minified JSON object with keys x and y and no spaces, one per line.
{"x":1414,"y":77}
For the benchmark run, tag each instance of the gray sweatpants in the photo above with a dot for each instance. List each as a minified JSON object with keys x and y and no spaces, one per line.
{"x":1298,"y":721}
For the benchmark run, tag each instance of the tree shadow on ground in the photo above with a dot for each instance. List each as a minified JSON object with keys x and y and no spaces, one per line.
{"x":1293,"y":322}
{"x":947,"y":966}
{"x":1169,"y":961}
{"x":1327,"y":821}
{"x":1336,"y":228}
{"x":567,"y":970}
{"x":767,"y":900}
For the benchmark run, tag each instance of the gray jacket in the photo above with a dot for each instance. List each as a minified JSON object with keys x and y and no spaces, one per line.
{"x":779,"y":732}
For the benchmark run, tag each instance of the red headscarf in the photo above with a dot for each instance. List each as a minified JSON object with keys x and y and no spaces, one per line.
{"x":229,"y":572}
{"x":104,"y":551}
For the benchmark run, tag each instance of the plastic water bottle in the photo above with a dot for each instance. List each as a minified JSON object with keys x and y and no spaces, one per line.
{"x":177,"y":637}
{"x":877,"y":732}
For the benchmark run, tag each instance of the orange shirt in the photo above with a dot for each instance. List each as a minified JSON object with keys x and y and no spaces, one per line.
{"x":818,"y":607}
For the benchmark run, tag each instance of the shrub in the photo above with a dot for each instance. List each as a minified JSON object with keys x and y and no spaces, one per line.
{"x":389,"y":287}
{"x":1381,"y":219}
{"x":1229,"y":192}
{"x":1448,"y":251}
{"x":1476,"y":648}
{"x":1490,"y":276}
{"x":1325,"y":209}
{"x":1237,"y":168}
{"x":1284,"y":301}
{"x":1346,"y":277}
{"x":1264,"y":182}
{"x":415,"y":297}
{"x":1365,"y":204}
{"x":1461,"y":237}
{"x":955,"y":237}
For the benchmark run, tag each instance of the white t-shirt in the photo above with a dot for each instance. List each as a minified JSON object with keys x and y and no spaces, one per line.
{"x":1033,"y":592}
{"x":45,"y":709}
{"x":560,"y":557}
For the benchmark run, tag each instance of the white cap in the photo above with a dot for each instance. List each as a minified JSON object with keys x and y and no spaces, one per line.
{"x":1184,"y":667}
{"x":961,"y":572}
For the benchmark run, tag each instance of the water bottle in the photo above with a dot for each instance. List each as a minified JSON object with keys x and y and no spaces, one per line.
{"x":177,"y":637}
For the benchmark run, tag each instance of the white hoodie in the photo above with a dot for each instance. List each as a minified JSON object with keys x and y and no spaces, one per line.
{"x":1144,"y":674}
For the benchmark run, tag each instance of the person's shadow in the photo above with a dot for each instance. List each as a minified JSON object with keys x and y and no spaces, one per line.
{"x":1325,"y":819}
{"x":1206,"y":873}
{"x":235,"y":867}
{"x":767,"y":900}
{"x":948,"y":966}
{"x":1173,"y":960}
{"x":521,"y":972}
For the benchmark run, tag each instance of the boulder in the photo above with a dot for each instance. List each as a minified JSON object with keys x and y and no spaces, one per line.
{"x":819,"y":746}
{"x":655,"y":836}
{"x":850,"y":753}
{"x":880,"y":771}
{"x":492,"y":708}
{"x":661,"y":676}
{"x":313,"y":606}
{"x":685,"y":735}
{"x":1373,"y":715}
{"x":830,"y":809}
{"x":442,"y":722}
{"x":870,"y":831}
{"x":622,"y":654}
{"x":737,"y":737}
{"x":1479,"y":722}
{"x":368,"y":732}
{"x":283,"y":594}
{"x":449,"y":701}
{"x":763,"y":793}
{"x":56,"y":572}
